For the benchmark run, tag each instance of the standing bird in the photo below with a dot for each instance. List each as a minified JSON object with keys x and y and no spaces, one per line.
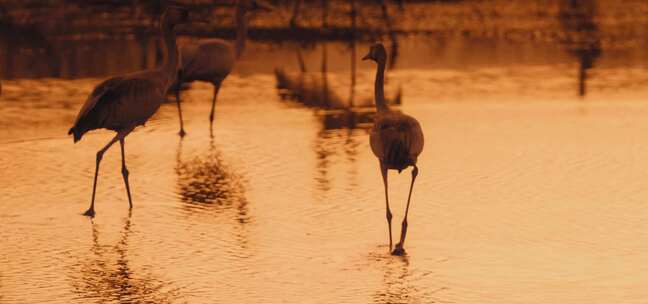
{"x":396,"y":139}
{"x":212,"y":60}
{"x":124,"y":102}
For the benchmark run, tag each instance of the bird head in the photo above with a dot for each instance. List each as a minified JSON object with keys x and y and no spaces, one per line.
{"x":376,"y":53}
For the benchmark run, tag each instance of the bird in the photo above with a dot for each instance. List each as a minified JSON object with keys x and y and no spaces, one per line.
{"x":124,"y":102}
{"x":212,"y":60}
{"x":395,"y":138}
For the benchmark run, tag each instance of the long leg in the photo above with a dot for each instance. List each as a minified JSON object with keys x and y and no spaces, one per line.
{"x":401,"y":243}
{"x":177,"y":94}
{"x":211,"y":115}
{"x":383,"y":170}
{"x":125,"y":173}
{"x":90,"y":212}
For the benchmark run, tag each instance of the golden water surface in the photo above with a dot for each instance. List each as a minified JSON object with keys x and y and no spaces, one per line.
{"x":526,"y":193}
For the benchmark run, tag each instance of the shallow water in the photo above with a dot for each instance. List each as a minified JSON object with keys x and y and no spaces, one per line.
{"x":527,"y":193}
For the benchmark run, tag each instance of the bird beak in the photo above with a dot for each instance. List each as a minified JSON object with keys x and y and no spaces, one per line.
{"x":366,"y":57}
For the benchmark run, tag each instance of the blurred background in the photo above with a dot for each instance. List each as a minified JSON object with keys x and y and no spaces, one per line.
{"x":74,"y":39}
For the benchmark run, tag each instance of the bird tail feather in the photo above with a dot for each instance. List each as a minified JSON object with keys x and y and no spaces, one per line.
{"x":397,"y":152}
{"x":76,"y":132}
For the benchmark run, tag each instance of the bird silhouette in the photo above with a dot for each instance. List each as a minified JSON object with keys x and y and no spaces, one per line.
{"x":124,"y":102}
{"x":396,"y":139}
{"x":212,"y":60}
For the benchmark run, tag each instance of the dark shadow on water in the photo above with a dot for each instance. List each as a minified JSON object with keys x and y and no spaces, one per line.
{"x":582,"y":36}
{"x":105,"y":274}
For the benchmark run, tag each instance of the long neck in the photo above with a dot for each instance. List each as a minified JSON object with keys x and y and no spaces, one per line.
{"x":379,"y":86}
{"x":241,"y":29}
{"x":170,"y":63}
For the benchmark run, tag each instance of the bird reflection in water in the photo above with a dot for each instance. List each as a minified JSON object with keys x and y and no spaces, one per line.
{"x":314,"y":89}
{"x":339,"y":132}
{"x":399,"y":283}
{"x":339,"y":117}
{"x":338,"y":120}
{"x":582,"y":36}
{"x":206,"y":185}
{"x":396,"y":282}
{"x":106,"y":274}
{"x":206,"y":182}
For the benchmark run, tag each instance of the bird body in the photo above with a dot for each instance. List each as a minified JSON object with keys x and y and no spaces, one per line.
{"x":396,"y":139}
{"x":121,"y":102}
{"x":124,"y":102}
{"x":212,"y":60}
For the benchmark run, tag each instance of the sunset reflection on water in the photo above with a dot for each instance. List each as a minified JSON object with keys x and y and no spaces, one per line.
{"x":531,"y":186}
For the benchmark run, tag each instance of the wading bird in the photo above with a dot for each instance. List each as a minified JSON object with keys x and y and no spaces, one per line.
{"x":212,"y":60}
{"x":396,"y":139}
{"x":124,"y":102}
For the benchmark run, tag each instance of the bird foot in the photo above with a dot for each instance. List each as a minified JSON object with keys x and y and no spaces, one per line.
{"x":399,"y":250}
{"x":182,"y":133}
{"x":90,"y":212}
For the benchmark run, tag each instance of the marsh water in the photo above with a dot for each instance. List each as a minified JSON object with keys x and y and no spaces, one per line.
{"x":527,"y":192}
